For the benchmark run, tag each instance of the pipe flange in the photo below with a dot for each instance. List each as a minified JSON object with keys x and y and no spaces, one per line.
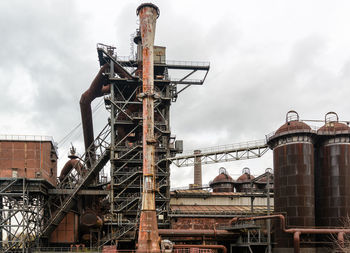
{"x":148,"y":5}
{"x":151,"y":141}
{"x":143,"y":95}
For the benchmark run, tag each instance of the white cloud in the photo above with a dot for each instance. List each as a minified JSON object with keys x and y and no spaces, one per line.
{"x":267,"y":57}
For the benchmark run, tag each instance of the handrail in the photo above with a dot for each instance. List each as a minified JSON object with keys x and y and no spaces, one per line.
{"x":171,"y":62}
{"x":234,"y":146}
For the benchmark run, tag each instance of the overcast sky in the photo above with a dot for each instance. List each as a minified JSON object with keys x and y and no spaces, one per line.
{"x":266,"y":57}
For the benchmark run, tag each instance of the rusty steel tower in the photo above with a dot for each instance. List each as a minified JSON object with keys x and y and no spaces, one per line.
{"x":141,"y":93}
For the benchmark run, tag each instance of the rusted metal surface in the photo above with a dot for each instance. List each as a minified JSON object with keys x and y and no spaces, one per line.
{"x":333,"y":174}
{"x":220,"y":247}
{"x":332,"y":125}
{"x":90,"y":219}
{"x":73,"y":163}
{"x":243,"y":182}
{"x":223,"y":182}
{"x":195,"y":223}
{"x":67,"y":230}
{"x":97,"y":88}
{"x":332,"y":185}
{"x":148,"y":240}
{"x":293,"y":157}
{"x":197,"y":173}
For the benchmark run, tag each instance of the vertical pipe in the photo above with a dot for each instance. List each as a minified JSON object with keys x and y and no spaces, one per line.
{"x":296,"y":238}
{"x":341,"y":240}
{"x":268,"y":224}
{"x":197,"y":169}
{"x":148,"y":240}
{"x":113,"y":140}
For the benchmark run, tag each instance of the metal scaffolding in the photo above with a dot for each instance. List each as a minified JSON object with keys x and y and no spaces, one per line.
{"x":22,"y":212}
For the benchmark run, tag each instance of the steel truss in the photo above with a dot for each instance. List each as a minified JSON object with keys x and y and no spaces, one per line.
{"x":22,"y":212}
{"x":227,"y":153}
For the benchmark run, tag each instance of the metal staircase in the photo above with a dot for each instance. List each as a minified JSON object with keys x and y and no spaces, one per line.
{"x":97,"y":156}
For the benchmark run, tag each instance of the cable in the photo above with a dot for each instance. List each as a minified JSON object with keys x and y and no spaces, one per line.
{"x":66,"y":137}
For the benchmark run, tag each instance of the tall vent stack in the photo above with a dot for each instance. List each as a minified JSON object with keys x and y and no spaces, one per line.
{"x":148,"y":240}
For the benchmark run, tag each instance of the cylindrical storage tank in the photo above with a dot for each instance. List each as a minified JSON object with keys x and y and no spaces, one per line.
{"x":243,"y":183}
{"x":333,"y":173}
{"x":293,"y":159}
{"x":223,"y":182}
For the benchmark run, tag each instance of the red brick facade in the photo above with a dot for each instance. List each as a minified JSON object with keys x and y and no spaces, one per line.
{"x":29,"y":159}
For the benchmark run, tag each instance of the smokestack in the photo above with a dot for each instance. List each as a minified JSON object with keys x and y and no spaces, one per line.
{"x":148,"y":240}
{"x":197,"y":175}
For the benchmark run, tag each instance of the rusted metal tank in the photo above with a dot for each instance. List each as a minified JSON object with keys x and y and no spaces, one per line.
{"x":293,"y":158}
{"x":243,"y":182}
{"x":223,"y":182}
{"x":333,"y":173}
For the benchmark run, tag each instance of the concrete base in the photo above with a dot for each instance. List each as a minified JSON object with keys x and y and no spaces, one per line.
{"x":291,"y":250}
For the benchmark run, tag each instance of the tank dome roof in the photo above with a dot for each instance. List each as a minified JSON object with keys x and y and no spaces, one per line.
{"x":292,"y":124}
{"x":223,"y":177}
{"x":332,"y":124}
{"x":246,"y":176}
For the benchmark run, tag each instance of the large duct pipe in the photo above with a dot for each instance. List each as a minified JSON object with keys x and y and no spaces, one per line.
{"x":148,"y":240}
{"x":73,"y":163}
{"x":96,"y":89}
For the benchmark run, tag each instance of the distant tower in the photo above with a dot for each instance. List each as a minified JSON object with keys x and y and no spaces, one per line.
{"x":197,"y":169}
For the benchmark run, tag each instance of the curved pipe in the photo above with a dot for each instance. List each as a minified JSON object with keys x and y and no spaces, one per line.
{"x":221,"y":247}
{"x":69,"y":166}
{"x":298,"y":231}
{"x":96,"y":89}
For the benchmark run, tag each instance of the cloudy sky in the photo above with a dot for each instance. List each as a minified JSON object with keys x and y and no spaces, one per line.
{"x":266,"y":57}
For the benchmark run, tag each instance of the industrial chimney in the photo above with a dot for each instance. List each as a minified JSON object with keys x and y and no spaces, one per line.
{"x":197,"y":175}
{"x":148,"y":240}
